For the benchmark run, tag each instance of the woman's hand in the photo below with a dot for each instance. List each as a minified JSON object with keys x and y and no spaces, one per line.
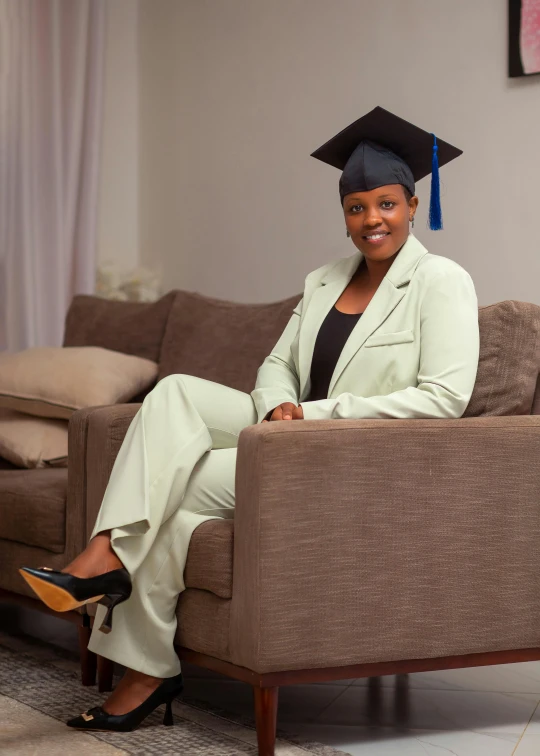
{"x":287,"y":411}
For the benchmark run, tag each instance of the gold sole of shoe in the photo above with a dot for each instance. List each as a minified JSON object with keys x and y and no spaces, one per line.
{"x":56,"y":598}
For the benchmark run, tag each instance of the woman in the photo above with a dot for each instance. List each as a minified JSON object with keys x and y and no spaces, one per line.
{"x":390,"y":332}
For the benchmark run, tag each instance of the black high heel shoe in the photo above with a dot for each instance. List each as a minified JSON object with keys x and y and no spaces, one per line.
{"x":63,"y":592}
{"x":98,"y":719}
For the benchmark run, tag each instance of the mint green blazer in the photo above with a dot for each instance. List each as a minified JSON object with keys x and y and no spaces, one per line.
{"x":413,"y":353}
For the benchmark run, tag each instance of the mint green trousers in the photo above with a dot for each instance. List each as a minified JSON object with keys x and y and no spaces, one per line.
{"x":175,"y":469}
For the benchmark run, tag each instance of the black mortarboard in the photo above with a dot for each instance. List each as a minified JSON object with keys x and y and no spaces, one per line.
{"x":380,"y":148}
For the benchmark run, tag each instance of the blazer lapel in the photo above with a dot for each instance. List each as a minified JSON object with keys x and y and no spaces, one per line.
{"x":390,"y":292}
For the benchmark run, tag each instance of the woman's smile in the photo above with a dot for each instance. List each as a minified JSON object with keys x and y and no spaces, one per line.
{"x":376,"y":238}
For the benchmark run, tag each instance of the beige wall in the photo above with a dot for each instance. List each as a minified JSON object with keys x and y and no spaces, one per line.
{"x":165,"y":74}
{"x":235,"y":94}
{"x":118,"y":221}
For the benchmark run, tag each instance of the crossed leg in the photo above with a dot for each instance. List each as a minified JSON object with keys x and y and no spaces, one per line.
{"x":175,"y":470}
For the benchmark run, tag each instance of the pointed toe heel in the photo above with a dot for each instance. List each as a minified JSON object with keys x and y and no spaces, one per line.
{"x":63,"y":592}
{"x":98,"y":719}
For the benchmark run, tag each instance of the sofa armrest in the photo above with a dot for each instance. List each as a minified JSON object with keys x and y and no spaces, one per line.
{"x":95,"y":437}
{"x":106,"y":433}
{"x":359,"y":541}
{"x":77,"y":476}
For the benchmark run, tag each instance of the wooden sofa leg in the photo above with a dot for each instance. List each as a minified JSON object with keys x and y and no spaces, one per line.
{"x":88,"y":658}
{"x":266,"y":706}
{"x":105,"y":669}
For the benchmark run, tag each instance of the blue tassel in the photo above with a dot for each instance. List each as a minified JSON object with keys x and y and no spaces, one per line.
{"x":435,"y":213}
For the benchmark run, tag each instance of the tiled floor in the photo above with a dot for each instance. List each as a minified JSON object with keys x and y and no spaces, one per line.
{"x":490,"y":711}
{"x":483,"y":711}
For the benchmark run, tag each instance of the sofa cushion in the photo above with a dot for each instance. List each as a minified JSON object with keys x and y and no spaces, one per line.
{"x":131,"y":327}
{"x":58,"y":381}
{"x":33,"y":507}
{"x":222,"y":341}
{"x":209,"y":563}
{"x":509,"y":359}
{"x":30,"y":442}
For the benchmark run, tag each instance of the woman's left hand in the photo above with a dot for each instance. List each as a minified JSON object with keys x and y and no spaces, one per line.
{"x":298,"y":414}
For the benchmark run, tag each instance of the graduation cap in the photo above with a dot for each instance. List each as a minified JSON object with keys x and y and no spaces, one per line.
{"x":380,"y":148}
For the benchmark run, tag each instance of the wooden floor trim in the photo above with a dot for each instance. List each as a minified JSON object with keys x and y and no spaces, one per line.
{"x":324,"y":674}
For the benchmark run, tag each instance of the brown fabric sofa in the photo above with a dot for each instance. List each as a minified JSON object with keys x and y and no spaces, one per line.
{"x":358,"y":547}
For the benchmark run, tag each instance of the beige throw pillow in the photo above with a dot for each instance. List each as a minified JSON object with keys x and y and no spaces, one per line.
{"x":57,"y":381}
{"x":27,"y":441}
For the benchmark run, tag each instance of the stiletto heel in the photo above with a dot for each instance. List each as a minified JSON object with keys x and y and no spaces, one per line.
{"x":99,"y":719}
{"x":110,"y":601}
{"x":168,"y":718}
{"x":64,"y":592}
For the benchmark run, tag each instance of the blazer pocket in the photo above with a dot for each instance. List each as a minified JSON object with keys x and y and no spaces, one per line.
{"x":385,"y":339}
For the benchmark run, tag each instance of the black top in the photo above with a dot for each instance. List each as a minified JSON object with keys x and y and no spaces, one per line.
{"x":333,"y":334}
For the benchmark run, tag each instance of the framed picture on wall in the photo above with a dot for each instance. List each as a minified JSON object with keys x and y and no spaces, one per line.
{"x":524,"y":37}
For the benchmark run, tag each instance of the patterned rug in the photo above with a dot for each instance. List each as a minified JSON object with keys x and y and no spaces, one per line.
{"x":40,"y":690}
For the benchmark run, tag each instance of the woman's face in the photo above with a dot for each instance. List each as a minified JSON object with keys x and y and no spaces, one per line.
{"x":385,"y":211}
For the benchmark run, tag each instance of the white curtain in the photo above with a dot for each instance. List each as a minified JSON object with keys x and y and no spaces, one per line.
{"x":51,"y":84}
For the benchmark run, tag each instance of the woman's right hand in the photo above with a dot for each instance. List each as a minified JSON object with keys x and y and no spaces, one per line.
{"x":286,"y":411}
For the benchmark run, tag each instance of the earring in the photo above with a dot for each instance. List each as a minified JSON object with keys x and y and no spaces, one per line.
{"x":348,"y":234}
{"x":412,"y":219}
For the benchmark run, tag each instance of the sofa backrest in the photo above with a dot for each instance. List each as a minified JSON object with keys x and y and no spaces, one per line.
{"x":220,"y":340}
{"x":185,"y":332}
{"x":130,"y":327}
{"x":226,"y":342}
{"x":509,"y":359}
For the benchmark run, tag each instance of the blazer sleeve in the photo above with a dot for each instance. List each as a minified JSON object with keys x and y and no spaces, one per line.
{"x":277,"y":379}
{"x":449,"y":355}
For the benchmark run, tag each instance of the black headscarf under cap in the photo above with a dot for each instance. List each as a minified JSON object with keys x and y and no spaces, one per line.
{"x":371,"y":166}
